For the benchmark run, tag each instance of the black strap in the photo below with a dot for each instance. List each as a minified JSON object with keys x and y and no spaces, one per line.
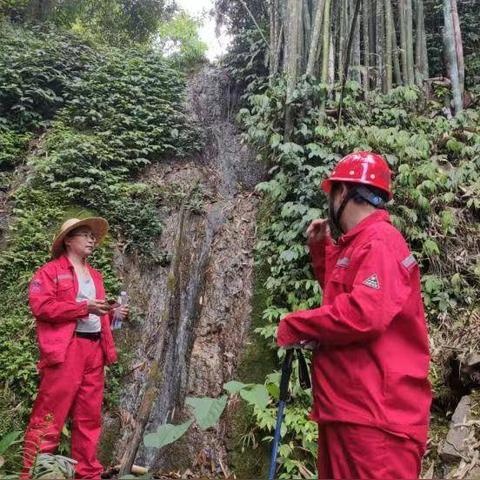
{"x":286,"y":373}
{"x":370,"y":197}
{"x":336,"y":216}
{"x":355,"y":191}
{"x":93,"y":336}
{"x":303,"y":373}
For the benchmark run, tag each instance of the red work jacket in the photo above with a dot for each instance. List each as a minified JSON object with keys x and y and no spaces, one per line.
{"x":52,"y":294}
{"x":372,"y":363}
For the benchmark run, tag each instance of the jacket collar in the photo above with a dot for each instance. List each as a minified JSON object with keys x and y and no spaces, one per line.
{"x":375,"y":217}
{"x":66,"y":263}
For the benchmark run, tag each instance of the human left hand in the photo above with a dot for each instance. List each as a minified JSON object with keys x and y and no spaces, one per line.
{"x":122,"y":311}
{"x":303,"y":345}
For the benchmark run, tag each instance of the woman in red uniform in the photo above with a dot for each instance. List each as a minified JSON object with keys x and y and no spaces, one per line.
{"x":67,"y":298}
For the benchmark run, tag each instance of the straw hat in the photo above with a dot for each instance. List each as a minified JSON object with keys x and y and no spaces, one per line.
{"x":98,"y":225}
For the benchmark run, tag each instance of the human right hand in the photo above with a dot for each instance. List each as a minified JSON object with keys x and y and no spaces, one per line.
{"x":98,"y":307}
{"x":318,"y":230}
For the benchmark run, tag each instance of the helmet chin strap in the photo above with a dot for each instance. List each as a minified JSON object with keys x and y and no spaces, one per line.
{"x":359,"y":191}
{"x":336,"y":215}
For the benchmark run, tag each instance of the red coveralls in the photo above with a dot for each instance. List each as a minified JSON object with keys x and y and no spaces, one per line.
{"x":71,"y":368}
{"x":371,"y":392}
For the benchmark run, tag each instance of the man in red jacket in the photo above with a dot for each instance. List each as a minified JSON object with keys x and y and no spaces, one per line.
{"x":370,"y":365}
{"x":67,"y":298}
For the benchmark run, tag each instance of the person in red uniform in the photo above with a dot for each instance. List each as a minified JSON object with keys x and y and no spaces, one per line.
{"x":67,"y":298}
{"x":371,"y":353}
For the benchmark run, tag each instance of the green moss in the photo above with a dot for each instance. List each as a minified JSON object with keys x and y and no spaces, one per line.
{"x":258,"y":360}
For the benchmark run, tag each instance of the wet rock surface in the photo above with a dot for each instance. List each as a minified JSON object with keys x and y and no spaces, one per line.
{"x":195,"y":306}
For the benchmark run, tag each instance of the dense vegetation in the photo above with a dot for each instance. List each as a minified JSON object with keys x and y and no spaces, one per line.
{"x":81,"y":119}
{"x":436,"y":206}
{"x":292,"y":121}
{"x":78,"y":124}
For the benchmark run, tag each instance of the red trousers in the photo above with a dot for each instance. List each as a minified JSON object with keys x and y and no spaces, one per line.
{"x":348,"y":451}
{"x":73,"y":388}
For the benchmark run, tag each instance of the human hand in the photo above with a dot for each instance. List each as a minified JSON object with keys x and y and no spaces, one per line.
{"x":303,"y":345}
{"x":318,"y":230}
{"x":98,"y":307}
{"x":122,"y":312}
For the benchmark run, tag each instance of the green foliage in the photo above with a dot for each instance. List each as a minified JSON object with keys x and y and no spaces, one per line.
{"x":94,"y":119}
{"x":36,"y":67}
{"x":207,"y":410}
{"x":112,"y":22}
{"x":166,"y":434}
{"x":436,"y":163}
{"x":179,"y":40}
{"x":12,"y":146}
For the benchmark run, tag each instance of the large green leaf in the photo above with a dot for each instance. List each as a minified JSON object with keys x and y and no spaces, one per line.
{"x":207,"y":410}
{"x":234,"y":386}
{"x":256,"y":395}
{"x":8,"y":440}
{"x":166,"y":434}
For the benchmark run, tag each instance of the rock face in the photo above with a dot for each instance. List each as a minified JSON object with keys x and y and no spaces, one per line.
{"x":196,"y":307}
{"x":454,"y":447}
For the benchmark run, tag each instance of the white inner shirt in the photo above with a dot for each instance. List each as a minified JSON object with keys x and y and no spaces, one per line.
{"x":87,"y":291}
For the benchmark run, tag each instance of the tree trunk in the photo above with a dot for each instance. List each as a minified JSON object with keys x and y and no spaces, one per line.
{"x":380,"y":36}
{"x":372,"y":31}
{"x":276,"y":65}
{"x":403,"y":40}
{"x":315,"y":40}
{"x":458,"y":46}
{"x":342,"y":38}
{"x":395,"y":50}
{"x":410,"y":56}
{"x":273,"y":9}
{"x":451,"y":55}
{"x":326,"y":42}
{"x":356,"y":56}
{"x":348,"y":53}
{"x":40,"y":10}
{"x":366,"y":45}
{"x":421,"y":58}
{"x":293,"y":48}
{"x":388,"y":46}
{"x":307,"y":33}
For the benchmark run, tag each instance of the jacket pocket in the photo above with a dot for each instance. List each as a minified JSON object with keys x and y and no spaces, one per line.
{"x":65,"y":289}
{"x":407,"y":397}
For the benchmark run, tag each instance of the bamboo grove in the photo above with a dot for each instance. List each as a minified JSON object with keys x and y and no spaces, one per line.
{"x":380,"y":44}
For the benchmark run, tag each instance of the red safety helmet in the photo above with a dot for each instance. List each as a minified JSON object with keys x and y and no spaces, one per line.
{"x":367,"y":168}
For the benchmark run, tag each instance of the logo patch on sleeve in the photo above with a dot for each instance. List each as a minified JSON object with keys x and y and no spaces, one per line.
{"x":343,"y":262}
{"x":409,"y":262}
{"x":372,"y":282}
{"x":35,"y":286}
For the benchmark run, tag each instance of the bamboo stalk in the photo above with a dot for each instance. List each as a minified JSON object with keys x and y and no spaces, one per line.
{"x":410,"y":56}
{"x":380,"y":36}
{"x":356,"y":56}
{"x":292,"y":46}
{"x":451,"y":56}
{"x":326,"y":42}
{"x":315,"y":40}
{"x":388,"y":46}
{"x":403,"y":40}
{"x":347,"y":63}
{"x":395,"y":50}
{"x":366,"y":45}
{"x":458,"y":46}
